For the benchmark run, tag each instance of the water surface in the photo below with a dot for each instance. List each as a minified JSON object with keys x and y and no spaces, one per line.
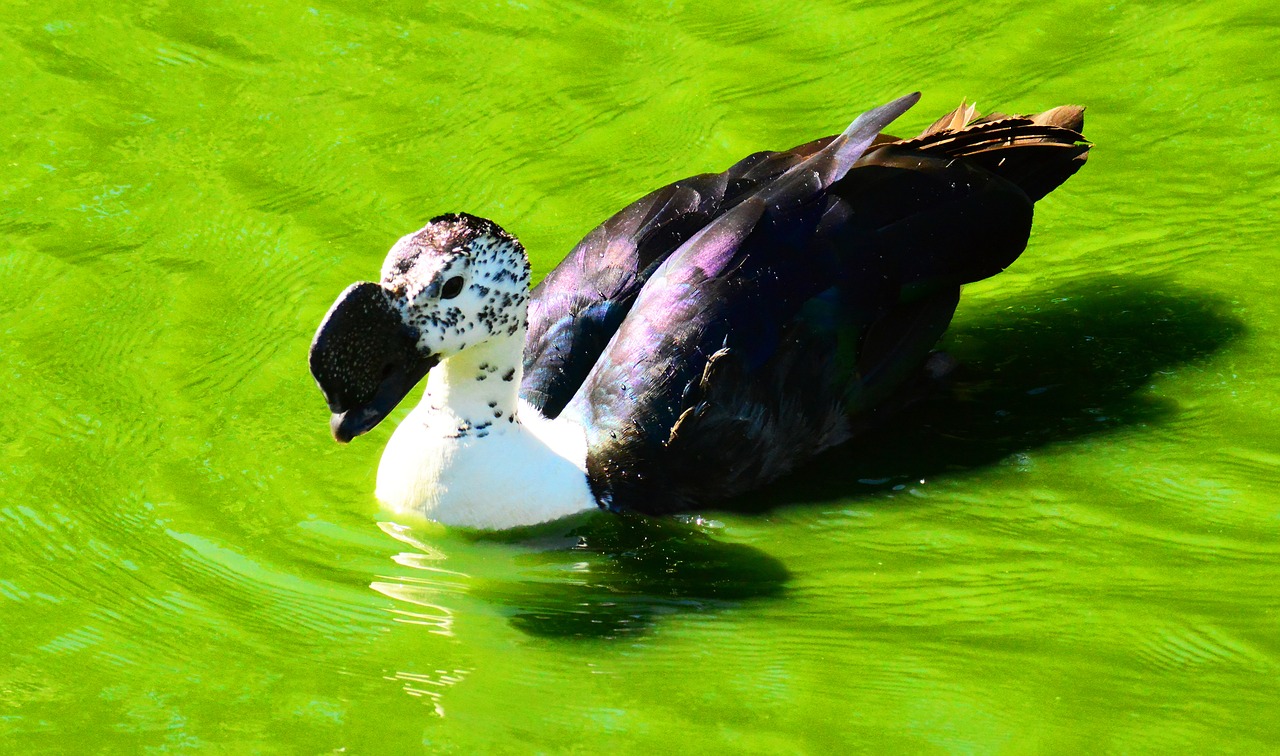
{"x":1075,"y":550}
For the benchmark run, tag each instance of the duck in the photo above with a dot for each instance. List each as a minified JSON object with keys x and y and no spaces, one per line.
{"x":705,"y":340}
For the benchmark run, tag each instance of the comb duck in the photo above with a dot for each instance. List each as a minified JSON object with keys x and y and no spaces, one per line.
{"x":703,"y":341}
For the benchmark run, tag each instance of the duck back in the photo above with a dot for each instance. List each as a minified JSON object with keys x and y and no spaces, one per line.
{"x":723,"y":329}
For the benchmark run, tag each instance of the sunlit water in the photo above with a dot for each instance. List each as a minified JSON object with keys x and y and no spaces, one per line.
{"x":1075,"y":550}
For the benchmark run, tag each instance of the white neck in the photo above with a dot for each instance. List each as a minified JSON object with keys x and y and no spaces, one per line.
{"x":472,"y":454}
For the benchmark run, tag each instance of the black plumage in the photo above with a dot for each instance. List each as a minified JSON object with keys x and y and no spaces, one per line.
{"x":723,"y":329}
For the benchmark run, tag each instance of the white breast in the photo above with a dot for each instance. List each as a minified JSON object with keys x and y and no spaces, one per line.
{"x":506,"y":475}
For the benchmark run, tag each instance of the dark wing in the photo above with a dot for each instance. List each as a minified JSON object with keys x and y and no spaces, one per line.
{"x":812,"y":300}
{"x":578,"y":307}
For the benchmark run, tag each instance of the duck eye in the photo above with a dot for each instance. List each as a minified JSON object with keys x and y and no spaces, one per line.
{"x":451,"y":288}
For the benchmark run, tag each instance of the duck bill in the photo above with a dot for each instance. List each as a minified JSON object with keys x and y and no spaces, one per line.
{"x":359,"y":420}
{"x":365,"y":359}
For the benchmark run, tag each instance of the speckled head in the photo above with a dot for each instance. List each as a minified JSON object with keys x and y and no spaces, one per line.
{"x":459,"y":280}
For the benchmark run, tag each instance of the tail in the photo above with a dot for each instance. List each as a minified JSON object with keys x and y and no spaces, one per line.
{"x":1035,"y":152}
{"x":970,"y":180}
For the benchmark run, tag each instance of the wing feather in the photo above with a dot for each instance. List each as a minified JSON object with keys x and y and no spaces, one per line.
{"x":786,"y":322}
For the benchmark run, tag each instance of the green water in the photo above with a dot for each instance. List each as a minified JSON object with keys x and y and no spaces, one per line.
{"x":1077,"y":550}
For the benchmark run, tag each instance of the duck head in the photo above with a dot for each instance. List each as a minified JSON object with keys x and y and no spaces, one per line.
{"x":459,"y":281}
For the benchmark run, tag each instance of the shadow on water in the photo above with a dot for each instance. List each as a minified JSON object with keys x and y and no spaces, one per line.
{"x":1045,"y":368}
{"x":610,"y":576}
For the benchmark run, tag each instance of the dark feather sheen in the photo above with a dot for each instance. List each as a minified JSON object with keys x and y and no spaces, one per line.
{"x":724,"y":328}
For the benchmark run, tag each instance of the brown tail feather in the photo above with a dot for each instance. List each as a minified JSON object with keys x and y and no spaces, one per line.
{"x":1064,"y":117}
{"x":1036,"y":152}
{"x":953,"y":121}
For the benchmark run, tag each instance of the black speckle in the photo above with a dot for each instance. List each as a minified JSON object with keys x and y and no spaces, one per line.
{"x":497,"y":413}
{"x":493,"y":404}
{"x":509,"y":375}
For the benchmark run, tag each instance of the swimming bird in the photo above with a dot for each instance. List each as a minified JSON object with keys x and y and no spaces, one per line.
{"x":703,"y":341}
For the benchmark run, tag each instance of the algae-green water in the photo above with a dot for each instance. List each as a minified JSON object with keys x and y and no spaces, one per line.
{"x":1074,"y":549}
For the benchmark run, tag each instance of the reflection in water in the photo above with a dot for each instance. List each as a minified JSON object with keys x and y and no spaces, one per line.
{"x":1036,"y":372}
{"x":591,"y":576}
{"x":430,"y":686}
{"x":421,"y":591}
{"x":622,"y":572}
{"x":424,"y":592}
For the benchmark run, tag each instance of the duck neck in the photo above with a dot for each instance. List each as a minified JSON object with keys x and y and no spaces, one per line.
{"x":480,"y":385}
